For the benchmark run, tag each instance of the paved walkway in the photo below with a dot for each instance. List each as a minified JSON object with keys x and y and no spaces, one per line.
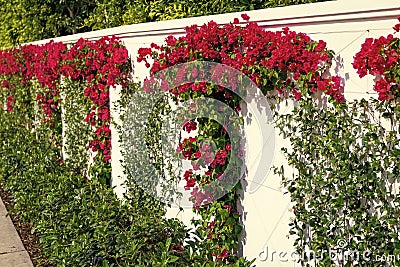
{"x":12,"y":252}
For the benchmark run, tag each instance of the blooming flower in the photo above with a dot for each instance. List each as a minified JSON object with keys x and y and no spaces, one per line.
{"x":245,"y":16}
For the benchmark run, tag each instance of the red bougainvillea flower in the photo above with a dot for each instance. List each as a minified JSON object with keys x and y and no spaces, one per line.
{"x":245,"y":17}
{"x":381,"y":57}
{"x":189,"y":126}
{"x":281,"y":59}
{"x":228,"y":207}
{"x":102,"y":63}
{"x":397,"y":26}
{"x":220,"y":256}
{"x":10,"y":102}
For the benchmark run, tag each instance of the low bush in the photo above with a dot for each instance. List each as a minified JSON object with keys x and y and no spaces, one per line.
{"x":81,"y":222}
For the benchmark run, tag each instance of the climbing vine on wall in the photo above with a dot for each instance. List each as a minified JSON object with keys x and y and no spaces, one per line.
{"x":98,"y":66}
{"x":282,"y":64}
{"x":95,"y":65}
{"x":346,"y":159}
{"x":345,"y":182}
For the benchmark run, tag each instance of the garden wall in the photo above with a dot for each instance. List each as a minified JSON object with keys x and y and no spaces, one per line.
{"x":344,"y":25}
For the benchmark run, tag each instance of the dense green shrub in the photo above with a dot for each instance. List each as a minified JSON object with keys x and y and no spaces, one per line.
{"x":80,"y":222}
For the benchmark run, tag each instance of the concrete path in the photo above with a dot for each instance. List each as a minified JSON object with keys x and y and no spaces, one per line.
{"x":12,"y":251}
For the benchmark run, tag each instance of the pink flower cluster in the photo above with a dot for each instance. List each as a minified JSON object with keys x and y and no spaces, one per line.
{"x":285,"y":62}
{"x":273,"y":60}
{"x":202,"y":156}
{"x":102,"y":61}
{"x":381,"y":57}
{"x":41,"y":62}
{"x":101,"y":64}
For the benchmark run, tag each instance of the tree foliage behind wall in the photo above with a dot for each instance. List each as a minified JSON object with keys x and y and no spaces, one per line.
{"x":114,"y":13}
{"x":29,"y":20}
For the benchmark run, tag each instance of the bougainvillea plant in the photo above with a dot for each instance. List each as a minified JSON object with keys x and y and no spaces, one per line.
{"x":40,"y":62}
{"x":381,"y":57}
{"x":44,"y":65}
{"x":99,"y":64}
{"x":281,"y":64}
{"x":12,"y":72}
{"x":102,"y":64}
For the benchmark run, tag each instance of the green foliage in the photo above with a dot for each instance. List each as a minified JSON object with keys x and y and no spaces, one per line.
{"x":108,"y":14}
{"x":27,"y":20}
{"x":80,"y":222}
{"x":115,"y":13}
{"x":76,"y":130}
{"x":346,"y":174}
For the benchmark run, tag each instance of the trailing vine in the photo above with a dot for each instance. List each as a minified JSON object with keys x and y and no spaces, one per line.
{"x":346,"y":159}
{"x":344,"y":186}
{"x":282,"y":64}
{"x":98,"y":66}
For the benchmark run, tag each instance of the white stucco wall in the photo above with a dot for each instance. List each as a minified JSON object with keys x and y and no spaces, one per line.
{"x":344,"y":25}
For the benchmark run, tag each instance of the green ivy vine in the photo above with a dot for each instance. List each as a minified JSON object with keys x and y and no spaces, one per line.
{"x":344,"y":187}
